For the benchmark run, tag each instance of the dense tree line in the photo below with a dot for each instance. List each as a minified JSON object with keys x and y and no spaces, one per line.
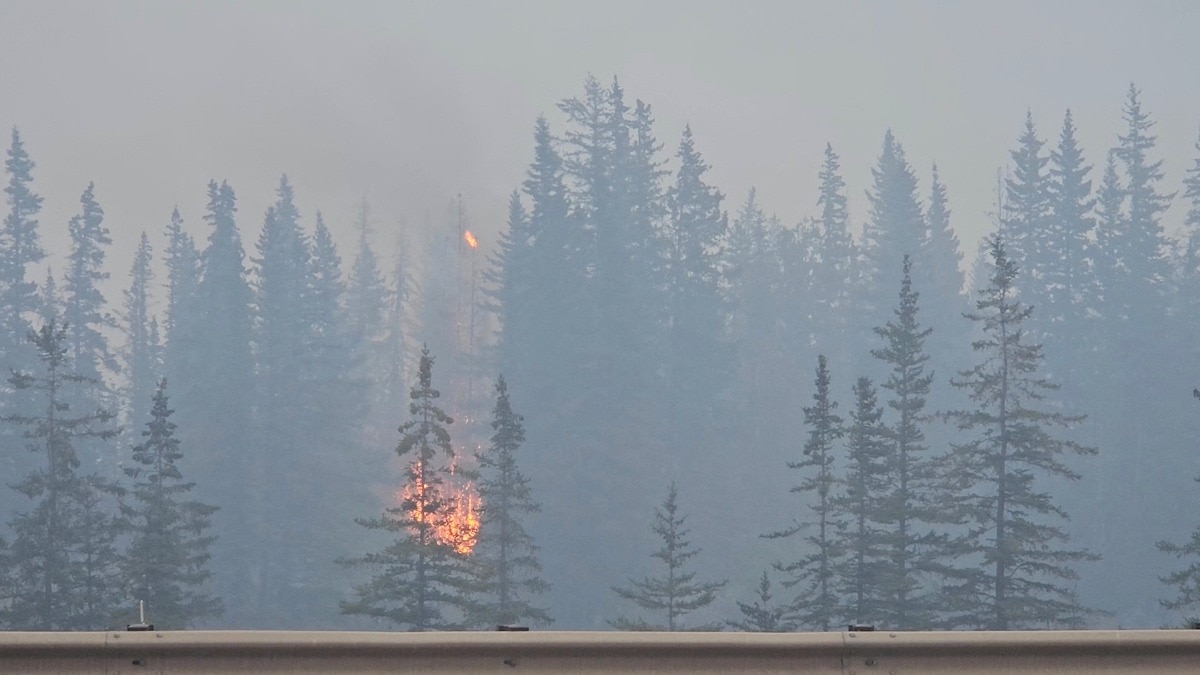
{"x":649,"y":336}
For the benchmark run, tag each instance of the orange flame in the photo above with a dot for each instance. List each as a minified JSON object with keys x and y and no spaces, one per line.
{"x":458,"y":525}
{"x":470,"y":239}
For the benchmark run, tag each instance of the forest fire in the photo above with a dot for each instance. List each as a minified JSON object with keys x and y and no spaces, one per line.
{"x":470,"y":239}
{"x":458,"y":524}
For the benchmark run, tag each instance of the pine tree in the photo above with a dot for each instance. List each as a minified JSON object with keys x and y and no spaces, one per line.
{"x":909,"y":509}
{"x":20,"y":249}
{"x":677,"y":593}
{"x":868,"y":486}
{"x":896,"y":227}
{"x":818,"y":604}
{"x":1134,"y":271}
{"x":166,"y":564}
{"x":215,"y":400}
{"x":1013,"y":560}
{"x":1069,"y":281}
{"x":836,"y":282}
{"x":183,"y":264}
{"x":506,"y":557}
{"x":64,"y":559}
{"x":763,"y":615}
{"x":700,"y":354}
{"x":1025,"y":221}
{"x":418,"y":577}
{"x":142,"y":352}
{"x":368,"y":312}
{"x":84,"y":306}
{"x":942,"y":280}
{"x":1191,"y":262}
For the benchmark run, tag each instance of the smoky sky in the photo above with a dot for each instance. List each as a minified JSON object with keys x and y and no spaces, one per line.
{"x":410,"y":103}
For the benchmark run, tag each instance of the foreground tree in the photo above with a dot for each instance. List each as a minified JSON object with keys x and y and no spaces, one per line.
{"x":505,"y":556}
{"x":763,"y":615}
{"x":63,"y":560}
{"x":1013,"y":557}
{"x":866,"y":539}
{"x":677,"y":593}
{"x":818,"y":604}
{"x":166,"y":564}
{"x":418,"y":577}
{"x":908,"y":510}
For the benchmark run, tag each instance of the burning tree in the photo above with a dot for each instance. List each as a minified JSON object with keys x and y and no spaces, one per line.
{"x":507,"y":562}
{"x":423,"y":572}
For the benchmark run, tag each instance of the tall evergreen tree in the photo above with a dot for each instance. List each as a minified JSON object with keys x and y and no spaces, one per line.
{"x":215,"y":401}
{"x":941,"y":279}
{"x":1191,"y":192}
{"x":419,"y":579}
{"x":1025,"y":221}
{"x":505,"y":556}
{"x":367,"y":313}
{"x":1135,"y":271}
{"x":64,"y":558}
{"x":910,"y":509}
{"x":836,"y":283}
{"x":284,"y":359}
{"x":20,"y":248}
{"x":700,"y":354}
{"x":1069,"y":284}
{"x":896,"y":226}
{"x":865,"y":501}
{"x":166,"y":564}
{"x":818,"y":604}
{"x":141,"y":354}
{"x":1013,"y":557}
{"x":677,"y":593}
{"x":183,"y":265}
{"x":84,"y":307}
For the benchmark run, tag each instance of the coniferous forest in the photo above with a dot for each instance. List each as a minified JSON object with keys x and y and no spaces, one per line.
{"x":648,"y":405}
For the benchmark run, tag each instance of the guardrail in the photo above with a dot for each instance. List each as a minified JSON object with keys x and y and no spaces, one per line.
{"x":575,"y":652}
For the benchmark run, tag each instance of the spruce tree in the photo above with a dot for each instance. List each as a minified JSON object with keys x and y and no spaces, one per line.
{"x":20,"y":248}
{"x":896,"y":227}
{"x":818,"y":603}
{"x":64,"y":559}
{"x":141,"y":354}
{"x":1186,"y":581}
{"x":1069,"y":281}
{"x":867,"y":538}
{"x":167,"y":562}
{"x":1014,"y":565}
{"x":84,"y":308}
{"x":836,"y":282}
{"x":676,"y":593}
{"x":181,"y":325}
{"x":505,"y":557}
{"x":215,"y":400}
{"x":419,"y":580}
{"x":763,"y":615}
{"x":700,"y":355}
{"x":910,"y":509}
{"x":1191,"y":192}
{"x":1025,"y":221}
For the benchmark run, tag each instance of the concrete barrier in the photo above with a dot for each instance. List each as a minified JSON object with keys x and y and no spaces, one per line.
{"x":864,"y":653}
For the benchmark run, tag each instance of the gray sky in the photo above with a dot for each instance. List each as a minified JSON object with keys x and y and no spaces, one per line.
{"x":409,"y":103}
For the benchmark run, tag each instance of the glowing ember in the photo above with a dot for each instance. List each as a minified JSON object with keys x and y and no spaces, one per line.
{"x":458,"y":524}
{"x":470,"y":239}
